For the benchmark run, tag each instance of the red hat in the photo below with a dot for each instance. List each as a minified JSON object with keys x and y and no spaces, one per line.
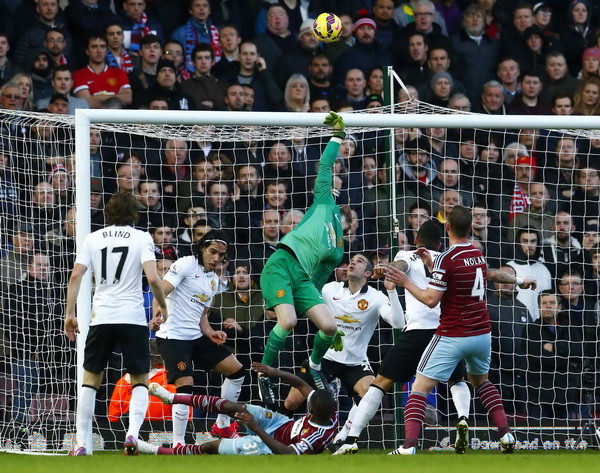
{"x":591,"y":52}
{"x":526,"y":161}
{"x":364,"y":21}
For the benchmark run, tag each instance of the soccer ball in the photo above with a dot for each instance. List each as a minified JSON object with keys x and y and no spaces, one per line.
{"x":327,"y":27}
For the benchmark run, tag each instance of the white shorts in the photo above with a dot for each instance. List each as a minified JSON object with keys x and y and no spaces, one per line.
{"x":443,"y":354}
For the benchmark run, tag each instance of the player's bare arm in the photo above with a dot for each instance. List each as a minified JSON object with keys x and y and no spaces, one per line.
{"x":495,"y":275}
{"x":293,"y":380}
{"x":217,"y":336}
{"x":430,"y":297}
{"x":379,"y":270}
{"x":159,"y":317}
{"x":276,"y":446}
{"x":71,"y":324}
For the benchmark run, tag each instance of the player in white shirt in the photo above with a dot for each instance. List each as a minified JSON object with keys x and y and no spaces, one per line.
{"x":185,"y":339}
{"x":356,"y":307}
{"x":117,"y":255}
{"x":400,"y":363}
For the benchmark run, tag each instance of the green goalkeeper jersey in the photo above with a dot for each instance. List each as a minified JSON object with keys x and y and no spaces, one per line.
{"x":318,"y":241}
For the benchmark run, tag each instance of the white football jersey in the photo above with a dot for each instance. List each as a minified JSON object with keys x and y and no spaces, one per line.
{"x":194,"y":292}
{"x":357,"y":316}
{"x":418,"y":315}
{"x":116,"y":255}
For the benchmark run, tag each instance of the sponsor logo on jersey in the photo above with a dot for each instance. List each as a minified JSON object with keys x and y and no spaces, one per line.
{"x":340,"y":242}
{"x":297,"y":428}
{"x":363,"y":304}
{"x":347,"y":319}
{"x":269,"y":414}
{"x":213,"y":286}
{"x":181,"y":366}
{"x":174,"y":269}
{"x":202,"y":297}
{"x":280,"y":293}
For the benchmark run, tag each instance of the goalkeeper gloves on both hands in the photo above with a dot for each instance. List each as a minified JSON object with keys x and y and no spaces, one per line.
{"x":338,"y":343}
{"x":337,"y":124}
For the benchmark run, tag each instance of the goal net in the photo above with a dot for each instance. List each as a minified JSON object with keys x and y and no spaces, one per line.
{"x":252,"y":175}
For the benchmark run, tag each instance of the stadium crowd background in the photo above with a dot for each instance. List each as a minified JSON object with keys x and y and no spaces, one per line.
{"x":535,"y":194}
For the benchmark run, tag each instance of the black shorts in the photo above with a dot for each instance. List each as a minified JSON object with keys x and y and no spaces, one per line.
{"x":348,"y":375}
{"x":132,"y":339}
{"x":400,"y":363}
{"x":182,"y":357}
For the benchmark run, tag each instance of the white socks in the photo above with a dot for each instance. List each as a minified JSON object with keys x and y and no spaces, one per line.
{"x":230,"y":390}
{"x":181,"y":414}
{"x":461,"y":397}
{"x":366,"y":410}
{"x":137,"y":410}
{"x":85,"y":413}
{"x":345,"y":430}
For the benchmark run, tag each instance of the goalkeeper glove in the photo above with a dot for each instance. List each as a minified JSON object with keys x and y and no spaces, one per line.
{"x":338,"y":343}
{"x":337,"y":124}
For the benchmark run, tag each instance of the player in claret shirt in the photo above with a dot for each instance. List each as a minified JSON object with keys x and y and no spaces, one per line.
{"x":458,"y":282}
{"x":270,"y":432}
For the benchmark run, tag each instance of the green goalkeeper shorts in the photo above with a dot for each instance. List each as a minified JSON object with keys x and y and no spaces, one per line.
{"x":284,"y":281}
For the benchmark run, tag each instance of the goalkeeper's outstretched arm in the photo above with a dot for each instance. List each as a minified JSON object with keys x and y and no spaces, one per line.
{"x":324,"y":181}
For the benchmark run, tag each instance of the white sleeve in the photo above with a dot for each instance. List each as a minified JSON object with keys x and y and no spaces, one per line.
{"x":393,"y":313}
{"x":147,"y":253}
{"x":84,"y":256}
{"x":178,"y":271}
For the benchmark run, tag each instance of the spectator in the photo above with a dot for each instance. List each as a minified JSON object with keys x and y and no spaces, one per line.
{"x":266,"y":244}
{"x":355,"y":83}
{"x":48,"y":15}
{"x":590,"y":61}
{"x":166,"y":86}
{"x":146,"y":61}
{"x":253,"y":71}
{"x":31,"y":322}
{"x":149,"y":197}
{"x":277,"y":39}
{"x":417,"y":167}
{"x":279,"y":166}
{"x":375,"y":83}
{"x":528,"y":101}
{"x":13,"y":264}
{"x":532,"y":54}
{"x":565,"y":252}
{"x":537,"y":214}
{"x":276,"y":196}
{"x":559,"y":174}
{"x":290,"y":220}
{"x":529,"y":263}
{"x":235,"y":98}
{"x":61,"y":248}
{"x":508,"y":73}
{"x":116,"y":54}
{"x":56,"y":43}
{"x":366,"y":53}
{"x":493,"y":26}
{"x":192,"y":211}
{"x":515,"y":196}
{"x":163,"y":237}
{"x":405,"y":14}
{"x":512,"y":37}
{"x":576,"y":34}
{"x":297,"y":94}
{"x":25,"y":83}
{"x":173,"y":51}
{"x":224,"y":213}
{"x":548,"y":347}
{"x":248,"y":181}
{"x":509,"y":318}
{"x":562,"y":105}
{"x":347,"y":40}
{"x":475,"y":53}
{"x":230,"y":40}
{"x":38,"y":67}
{"x":62,"y":82}
{"x":448,"y":177}
{"x":207,"y":92}
{"x":7,"y":67}
{"x":388,"y":32}
{"x":297,"y":60}
{"x":587,"y":97}
{"x":459,"y":102}
{"x":559,"y":81}
{"x":493,"y":243}
{"x":128,"y":178}
{"x":585,"y":205}
{"x":492,"y":99}
{"x":424,"y":14}
{"x":98,"y":82}
{"x":137,"y":25}
{"x":198,"y":29}
{"x":415,"y":65}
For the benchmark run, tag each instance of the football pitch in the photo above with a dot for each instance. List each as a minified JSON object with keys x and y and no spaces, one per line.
{"x":372,"y":461}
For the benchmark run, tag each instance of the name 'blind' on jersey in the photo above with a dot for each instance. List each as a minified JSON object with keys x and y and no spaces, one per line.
{"x":116,"y":255}
{"x":418,"y":315}
{"x":357,"y":316}
{"x":461,"y":271}
{"x":194,"y":291}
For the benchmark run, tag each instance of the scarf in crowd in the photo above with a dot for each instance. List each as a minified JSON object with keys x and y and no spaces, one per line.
{"x":191,"y":40}
{"x":126,"y":63}
{"x":62,"y":60}
{"x":183,"y":73}
{"x":140,"y":29}
{"x":518,"y":202}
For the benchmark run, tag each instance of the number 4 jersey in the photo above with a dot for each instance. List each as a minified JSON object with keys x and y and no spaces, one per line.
{"x":116,"y":255}
{"x":461,"y":272}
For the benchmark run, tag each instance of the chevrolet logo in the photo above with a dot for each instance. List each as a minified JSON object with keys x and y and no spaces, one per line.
{"x":347,"y":319}
{"x":202,"y":297}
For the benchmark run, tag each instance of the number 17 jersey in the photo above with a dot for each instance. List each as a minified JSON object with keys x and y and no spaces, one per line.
{"x":461,"y":272}
{"x":116,"y":255}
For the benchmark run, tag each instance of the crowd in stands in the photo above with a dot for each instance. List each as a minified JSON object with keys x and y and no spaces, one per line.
{"x":534,"y":194}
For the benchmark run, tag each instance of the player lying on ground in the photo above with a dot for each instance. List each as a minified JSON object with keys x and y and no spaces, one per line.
{"x":458,"y":283}
{"x":294,"y":275}
{"x":185,"y":339}
{"x":270,"y":432}
{"x":400,"y":363}
{"x":356,"y":307}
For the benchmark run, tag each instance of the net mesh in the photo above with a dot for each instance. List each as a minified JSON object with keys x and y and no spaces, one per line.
{"x":254,"y":182}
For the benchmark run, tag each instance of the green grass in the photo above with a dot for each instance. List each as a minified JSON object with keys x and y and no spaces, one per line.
{"x":365,"y":462}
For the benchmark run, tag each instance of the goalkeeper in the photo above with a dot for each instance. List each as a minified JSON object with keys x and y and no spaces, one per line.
{"x":294,"y":275}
